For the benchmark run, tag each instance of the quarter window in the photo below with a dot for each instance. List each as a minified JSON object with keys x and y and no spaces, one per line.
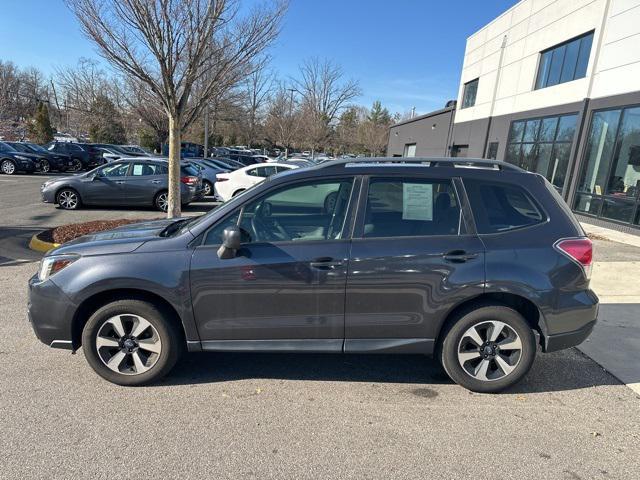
{"x":469,"y":93}
{"x":411,"y":207}
{"x":543,"y":145}
{"x":499,"y":207}
{"x":565,"y":62}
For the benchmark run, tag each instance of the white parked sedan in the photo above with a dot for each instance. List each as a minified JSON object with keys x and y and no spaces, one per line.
{"x":230,"y":184}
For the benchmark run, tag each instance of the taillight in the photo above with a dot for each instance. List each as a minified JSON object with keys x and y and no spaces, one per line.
{"x":580,"y":250}
{"x":189,"y":180}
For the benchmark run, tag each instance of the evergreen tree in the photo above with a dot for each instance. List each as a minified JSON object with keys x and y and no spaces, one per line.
{"x":379,"y":115}
{"x":40,"y":129}
{"x":105,"y":126}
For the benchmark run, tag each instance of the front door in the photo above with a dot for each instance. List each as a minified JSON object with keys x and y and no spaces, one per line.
{"x":286,"y":286}
{"x":106,"y":186}
{"x":411,"y":261}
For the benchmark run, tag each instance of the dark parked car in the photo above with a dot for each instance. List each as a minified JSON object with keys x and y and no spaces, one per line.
{"x":83,"y":155}
{"x":46,"y":161}
{"x":127,"y":182}
{"x":477,"y":266}
{"x":12,"y":161}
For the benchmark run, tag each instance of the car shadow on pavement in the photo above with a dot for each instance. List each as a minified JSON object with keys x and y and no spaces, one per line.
{"x":560,"y":371}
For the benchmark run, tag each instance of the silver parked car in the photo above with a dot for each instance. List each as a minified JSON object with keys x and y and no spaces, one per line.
{"x":125,"y":182}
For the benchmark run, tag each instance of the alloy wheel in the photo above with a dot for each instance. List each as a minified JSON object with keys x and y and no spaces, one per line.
{"x":44,"y":166}
{"x":489,"y":350}
{"x":76,"y":165}
{"x":128,"y":344}
{"x":207,"y":188}
{"x":8,"y":167}
{"x":68,"y":199}
{"x":163,"y":201}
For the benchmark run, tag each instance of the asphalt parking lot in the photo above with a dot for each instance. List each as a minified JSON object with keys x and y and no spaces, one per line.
{"x":284,"y":416}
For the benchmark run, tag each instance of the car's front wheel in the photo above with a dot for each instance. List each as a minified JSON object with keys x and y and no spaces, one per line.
{"x":44,"y":166}
{"x":488,"y":349}
{"x":76,"y":165}
{"x":8,"y":167}
{"x":68,"y":199}
{"x":131,"y":342}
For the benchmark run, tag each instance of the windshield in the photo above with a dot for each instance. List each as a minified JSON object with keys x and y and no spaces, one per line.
{"x":5,"y":147}
{"x":19,"y":147}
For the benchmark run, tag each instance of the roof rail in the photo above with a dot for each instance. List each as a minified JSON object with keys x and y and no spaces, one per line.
{"x":426,"y":161}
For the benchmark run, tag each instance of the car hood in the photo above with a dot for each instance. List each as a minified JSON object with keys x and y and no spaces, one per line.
{"x":124,"y":239}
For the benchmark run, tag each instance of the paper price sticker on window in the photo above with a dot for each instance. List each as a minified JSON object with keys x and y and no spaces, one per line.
{"x":417,"y":201}
{"x":137,"y":170}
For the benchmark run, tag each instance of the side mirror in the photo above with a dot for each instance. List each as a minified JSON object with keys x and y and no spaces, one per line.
{"x":231,"y":242}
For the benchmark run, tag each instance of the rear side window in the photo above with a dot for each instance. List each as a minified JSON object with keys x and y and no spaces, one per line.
{"x":498,"y":207}
{"x":411,"y":207}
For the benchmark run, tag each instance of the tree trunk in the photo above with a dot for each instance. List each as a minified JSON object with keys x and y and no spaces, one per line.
{"x":175,"y":207}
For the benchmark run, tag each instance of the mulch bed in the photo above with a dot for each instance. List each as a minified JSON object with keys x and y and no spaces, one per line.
{"x":66,"y":233}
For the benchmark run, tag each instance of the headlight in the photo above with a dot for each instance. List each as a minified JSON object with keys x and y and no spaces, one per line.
{"x":53,"y":264}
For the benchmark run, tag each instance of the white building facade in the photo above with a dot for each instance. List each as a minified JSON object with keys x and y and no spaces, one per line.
{"x":554,"y":86}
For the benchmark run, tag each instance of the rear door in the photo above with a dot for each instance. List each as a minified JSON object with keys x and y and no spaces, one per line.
{"x":142,"y":182}
{"x":414,"y":256}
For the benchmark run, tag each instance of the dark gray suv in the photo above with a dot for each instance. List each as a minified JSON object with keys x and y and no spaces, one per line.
{"x":476,"y":262}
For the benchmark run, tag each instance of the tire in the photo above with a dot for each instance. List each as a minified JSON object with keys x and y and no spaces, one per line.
{"x":76,"y":167}
{"x":68,"y":199}
{"x":44,"y":166}
{"x":113,"y":339}
{"x":8,"y":167}
{"x":238,"y":192}
{"x":478,"y":365}
{"x":208,"y":188}
{"x":161,"y":201}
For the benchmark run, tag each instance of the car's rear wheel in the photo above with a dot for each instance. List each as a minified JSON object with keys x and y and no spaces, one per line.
{"x":208,"y":188}
{"x":76,"y":165}
{"x":488,"y":349}
{"x":131,"y":342}
{"x":44,"y":166}
{"x":68,"y":199}
{"x":8,"y":167}
{"x":161,"y":202}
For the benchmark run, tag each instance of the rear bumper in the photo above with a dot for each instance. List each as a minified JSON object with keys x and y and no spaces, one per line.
{"x":553,"y":343}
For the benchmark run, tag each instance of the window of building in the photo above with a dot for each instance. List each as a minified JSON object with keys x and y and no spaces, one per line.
{"x":565,"y":62}
{"x":411,"y":207}
{"x":409,"y":150}
{"x":492,"y":150}
{"x":469,"y":93}
{"x":543,"y":145}
{"x":609,"y":186}
{"x":500,"y":207}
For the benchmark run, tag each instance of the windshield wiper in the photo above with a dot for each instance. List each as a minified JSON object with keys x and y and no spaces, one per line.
{"x":175,"y":226}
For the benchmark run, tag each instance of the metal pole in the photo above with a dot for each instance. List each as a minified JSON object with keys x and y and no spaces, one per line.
{"x":206,"y":131}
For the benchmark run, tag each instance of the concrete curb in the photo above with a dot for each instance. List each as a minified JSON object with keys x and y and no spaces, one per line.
{"x":40,"y":245}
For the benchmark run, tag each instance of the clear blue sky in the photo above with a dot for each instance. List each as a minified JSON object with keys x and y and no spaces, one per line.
{"x":405,"y":52}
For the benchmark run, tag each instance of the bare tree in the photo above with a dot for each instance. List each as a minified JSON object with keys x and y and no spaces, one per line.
{"x":258,"y":87}
{"x":325,"y":94}
{"x":282,"y":124}
{"x":177,"y":47}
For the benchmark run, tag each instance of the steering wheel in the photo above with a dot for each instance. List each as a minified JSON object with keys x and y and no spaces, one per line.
{"x":265,"y":227}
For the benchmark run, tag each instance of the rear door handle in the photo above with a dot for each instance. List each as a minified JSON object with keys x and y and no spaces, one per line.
{"x":459,"y":256}
{"x":325,"y":263}
{"x":119,"y":182}
{"x":155,"y":181}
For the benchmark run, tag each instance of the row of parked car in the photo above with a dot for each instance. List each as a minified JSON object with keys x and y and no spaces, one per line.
{"x":29,"y":157}
{"x":143,"y":181}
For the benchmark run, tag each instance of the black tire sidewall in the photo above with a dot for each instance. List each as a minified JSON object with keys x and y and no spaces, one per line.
{"x":172,"y":343}
{"x":448,"y":349}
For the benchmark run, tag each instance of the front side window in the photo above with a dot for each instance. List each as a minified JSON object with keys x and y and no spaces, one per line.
{"x":499,"y":207}
{"x":302,"y":212}
{"x":565,"y":62}
{"x":115,"y":170}
{"x":469,"y":93}
{"x":411,"y":207}
{"x":543,"y":145}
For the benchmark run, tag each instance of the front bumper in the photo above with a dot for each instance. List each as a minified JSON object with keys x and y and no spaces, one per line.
{"x":50,"y":313}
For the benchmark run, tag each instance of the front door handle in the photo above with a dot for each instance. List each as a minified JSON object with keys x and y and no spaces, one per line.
{"x":459,"y":256}
{"x":325,"y":263}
